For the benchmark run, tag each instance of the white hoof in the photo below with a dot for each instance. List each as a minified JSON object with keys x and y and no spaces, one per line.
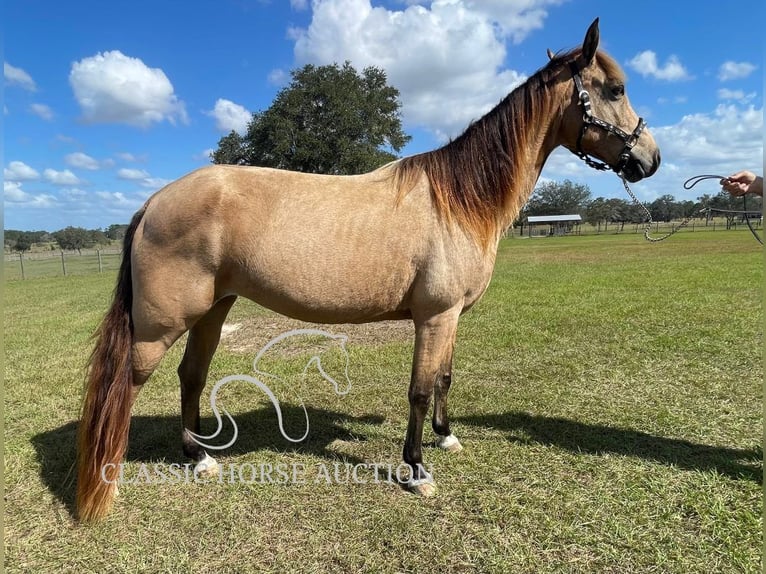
{"x":426,"y":490}
{"x":425,"y":487}
{"x":207,"y":467}
{"x":448,"y":443}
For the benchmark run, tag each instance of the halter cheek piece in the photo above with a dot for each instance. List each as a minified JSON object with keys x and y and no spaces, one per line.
{"x":590,"y":120}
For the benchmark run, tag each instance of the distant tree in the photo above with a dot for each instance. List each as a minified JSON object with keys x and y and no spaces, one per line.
{"x":554,"y":198}
{"x":10,"y":236}
{"x":688,"y":208}
{"x":116,"y":231}
{"x":330,"y":119}
{"x":232,"y":150}
{"x":74,"y":238}
{"x":602,"y":211}
{"x":24,"y":241}
{"x":665,"y":208}
{"x":597,"y":212}
{"x":635,"y":213}
{"x":98,"y":237}
{"x":732,"y":208}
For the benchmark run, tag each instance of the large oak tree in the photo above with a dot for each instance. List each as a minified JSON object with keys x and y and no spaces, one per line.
{"x":330,"y":119}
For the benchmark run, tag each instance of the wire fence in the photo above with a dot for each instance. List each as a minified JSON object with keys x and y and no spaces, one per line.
{"x":60,"y":263}
{"x":546,"y":230}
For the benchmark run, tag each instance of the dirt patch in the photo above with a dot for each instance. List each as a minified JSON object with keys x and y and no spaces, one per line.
{"x":250,"y":335}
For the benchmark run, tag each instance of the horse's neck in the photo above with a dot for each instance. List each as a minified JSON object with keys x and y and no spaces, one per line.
{"x":530,"y":160}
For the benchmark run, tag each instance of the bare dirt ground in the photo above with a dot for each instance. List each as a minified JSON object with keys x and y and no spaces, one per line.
{"x":250,"y":335}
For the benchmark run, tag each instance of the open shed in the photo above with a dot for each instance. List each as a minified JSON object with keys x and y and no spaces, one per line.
{"x":550,"y":225}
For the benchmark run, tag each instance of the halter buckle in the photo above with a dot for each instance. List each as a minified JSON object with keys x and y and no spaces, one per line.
{"x":629,"y":140}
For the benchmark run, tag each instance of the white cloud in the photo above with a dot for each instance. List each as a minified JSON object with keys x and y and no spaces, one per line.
{"x":278,"y":77}
{"x":299,"y":4}
{"x":735,"y":70}
{"x":735,"y":95}
{"x":12,"y":193}
{"x":17,"y":77}
{"x":74,"y":193}
{"x":116,"y":198}
{"x":155,"y":183}
{"x":721,"y":142}
{"x":132,"y":174}
{"x":42,"y":111}
{"x":143,"y":178}
{"x":446,"y":59}
{"x":730,"y":134}
{"x":65,"y":139}
{"x":646,"y":64}
{"x":230,"y":116}
{"x":125,"y":156}
{"x":65,"y":177}
{"x":113,"y":88}
{"x":19,"y":171}
{"x":82,"y":161}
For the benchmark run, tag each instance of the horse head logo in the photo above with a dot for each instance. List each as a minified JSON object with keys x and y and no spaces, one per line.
{"x":338,"y":341}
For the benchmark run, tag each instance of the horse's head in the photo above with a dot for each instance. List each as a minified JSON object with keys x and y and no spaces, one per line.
{"x":599,"y":120}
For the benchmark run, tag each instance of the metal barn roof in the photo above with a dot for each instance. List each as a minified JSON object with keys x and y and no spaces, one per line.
{"x":552,"y":218}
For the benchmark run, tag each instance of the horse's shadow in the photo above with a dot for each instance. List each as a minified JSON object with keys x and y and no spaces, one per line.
{"x":158,"y":439}
{"x":599,"y":439}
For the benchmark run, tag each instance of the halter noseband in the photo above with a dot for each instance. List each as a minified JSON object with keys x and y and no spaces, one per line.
{"x":590,"y":120}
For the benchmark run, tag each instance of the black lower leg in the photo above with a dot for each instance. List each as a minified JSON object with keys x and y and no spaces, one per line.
{"x":440,"y":422}
{"x":413,"y":454}
{"x":191,"y":448}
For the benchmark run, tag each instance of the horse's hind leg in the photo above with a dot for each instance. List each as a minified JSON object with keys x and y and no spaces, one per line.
{"x":192,"y":372}
{"x":440,"y":423}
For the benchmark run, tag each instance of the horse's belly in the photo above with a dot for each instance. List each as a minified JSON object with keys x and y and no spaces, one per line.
{"x":329,"y":290}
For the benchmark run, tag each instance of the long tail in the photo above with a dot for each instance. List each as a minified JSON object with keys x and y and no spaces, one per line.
{"x":103,"y":431}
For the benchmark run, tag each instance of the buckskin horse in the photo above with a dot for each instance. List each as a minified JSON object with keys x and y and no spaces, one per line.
{"x":415,"y":239}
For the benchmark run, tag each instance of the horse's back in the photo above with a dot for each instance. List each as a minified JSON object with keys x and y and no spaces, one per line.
{"x":323,"y":248}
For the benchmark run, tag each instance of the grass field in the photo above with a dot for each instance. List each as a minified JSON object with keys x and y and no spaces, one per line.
{"x":607,"y":392}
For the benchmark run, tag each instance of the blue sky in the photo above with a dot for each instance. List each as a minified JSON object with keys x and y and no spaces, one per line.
{"x":104,"y":103}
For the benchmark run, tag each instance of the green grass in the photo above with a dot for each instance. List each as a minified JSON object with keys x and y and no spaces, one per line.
{"x":607,"y":391}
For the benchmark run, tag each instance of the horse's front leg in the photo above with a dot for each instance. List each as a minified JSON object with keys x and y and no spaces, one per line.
{"x":440,"y":423}
{"x":434,"y":339}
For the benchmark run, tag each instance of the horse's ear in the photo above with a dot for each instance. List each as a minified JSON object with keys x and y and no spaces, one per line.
{"x":590,"y":44}
{"x":550,"y":54}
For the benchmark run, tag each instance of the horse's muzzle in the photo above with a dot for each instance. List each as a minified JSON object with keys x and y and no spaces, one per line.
{"x":636,"y":169}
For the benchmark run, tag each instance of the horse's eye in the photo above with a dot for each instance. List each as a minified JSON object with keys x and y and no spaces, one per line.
{"x":618,"y":90}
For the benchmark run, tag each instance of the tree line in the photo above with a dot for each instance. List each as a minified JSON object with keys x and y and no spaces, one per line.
{"x":68,"y":239}
{"x":568,"y":198}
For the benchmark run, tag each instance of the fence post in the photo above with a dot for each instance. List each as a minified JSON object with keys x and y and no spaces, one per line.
{"x":63,"y":262}
{"x":98,"y":252}
{"x":21,"y":262}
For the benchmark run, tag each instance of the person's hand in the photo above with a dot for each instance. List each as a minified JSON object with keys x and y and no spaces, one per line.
{"x":743,"y":182}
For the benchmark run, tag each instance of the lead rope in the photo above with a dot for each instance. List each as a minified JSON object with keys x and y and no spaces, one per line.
{"x":648,"y":228}
{"x":688,"y":184}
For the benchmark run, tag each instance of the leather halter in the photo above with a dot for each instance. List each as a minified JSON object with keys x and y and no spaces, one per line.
{"x":589,"y":120}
